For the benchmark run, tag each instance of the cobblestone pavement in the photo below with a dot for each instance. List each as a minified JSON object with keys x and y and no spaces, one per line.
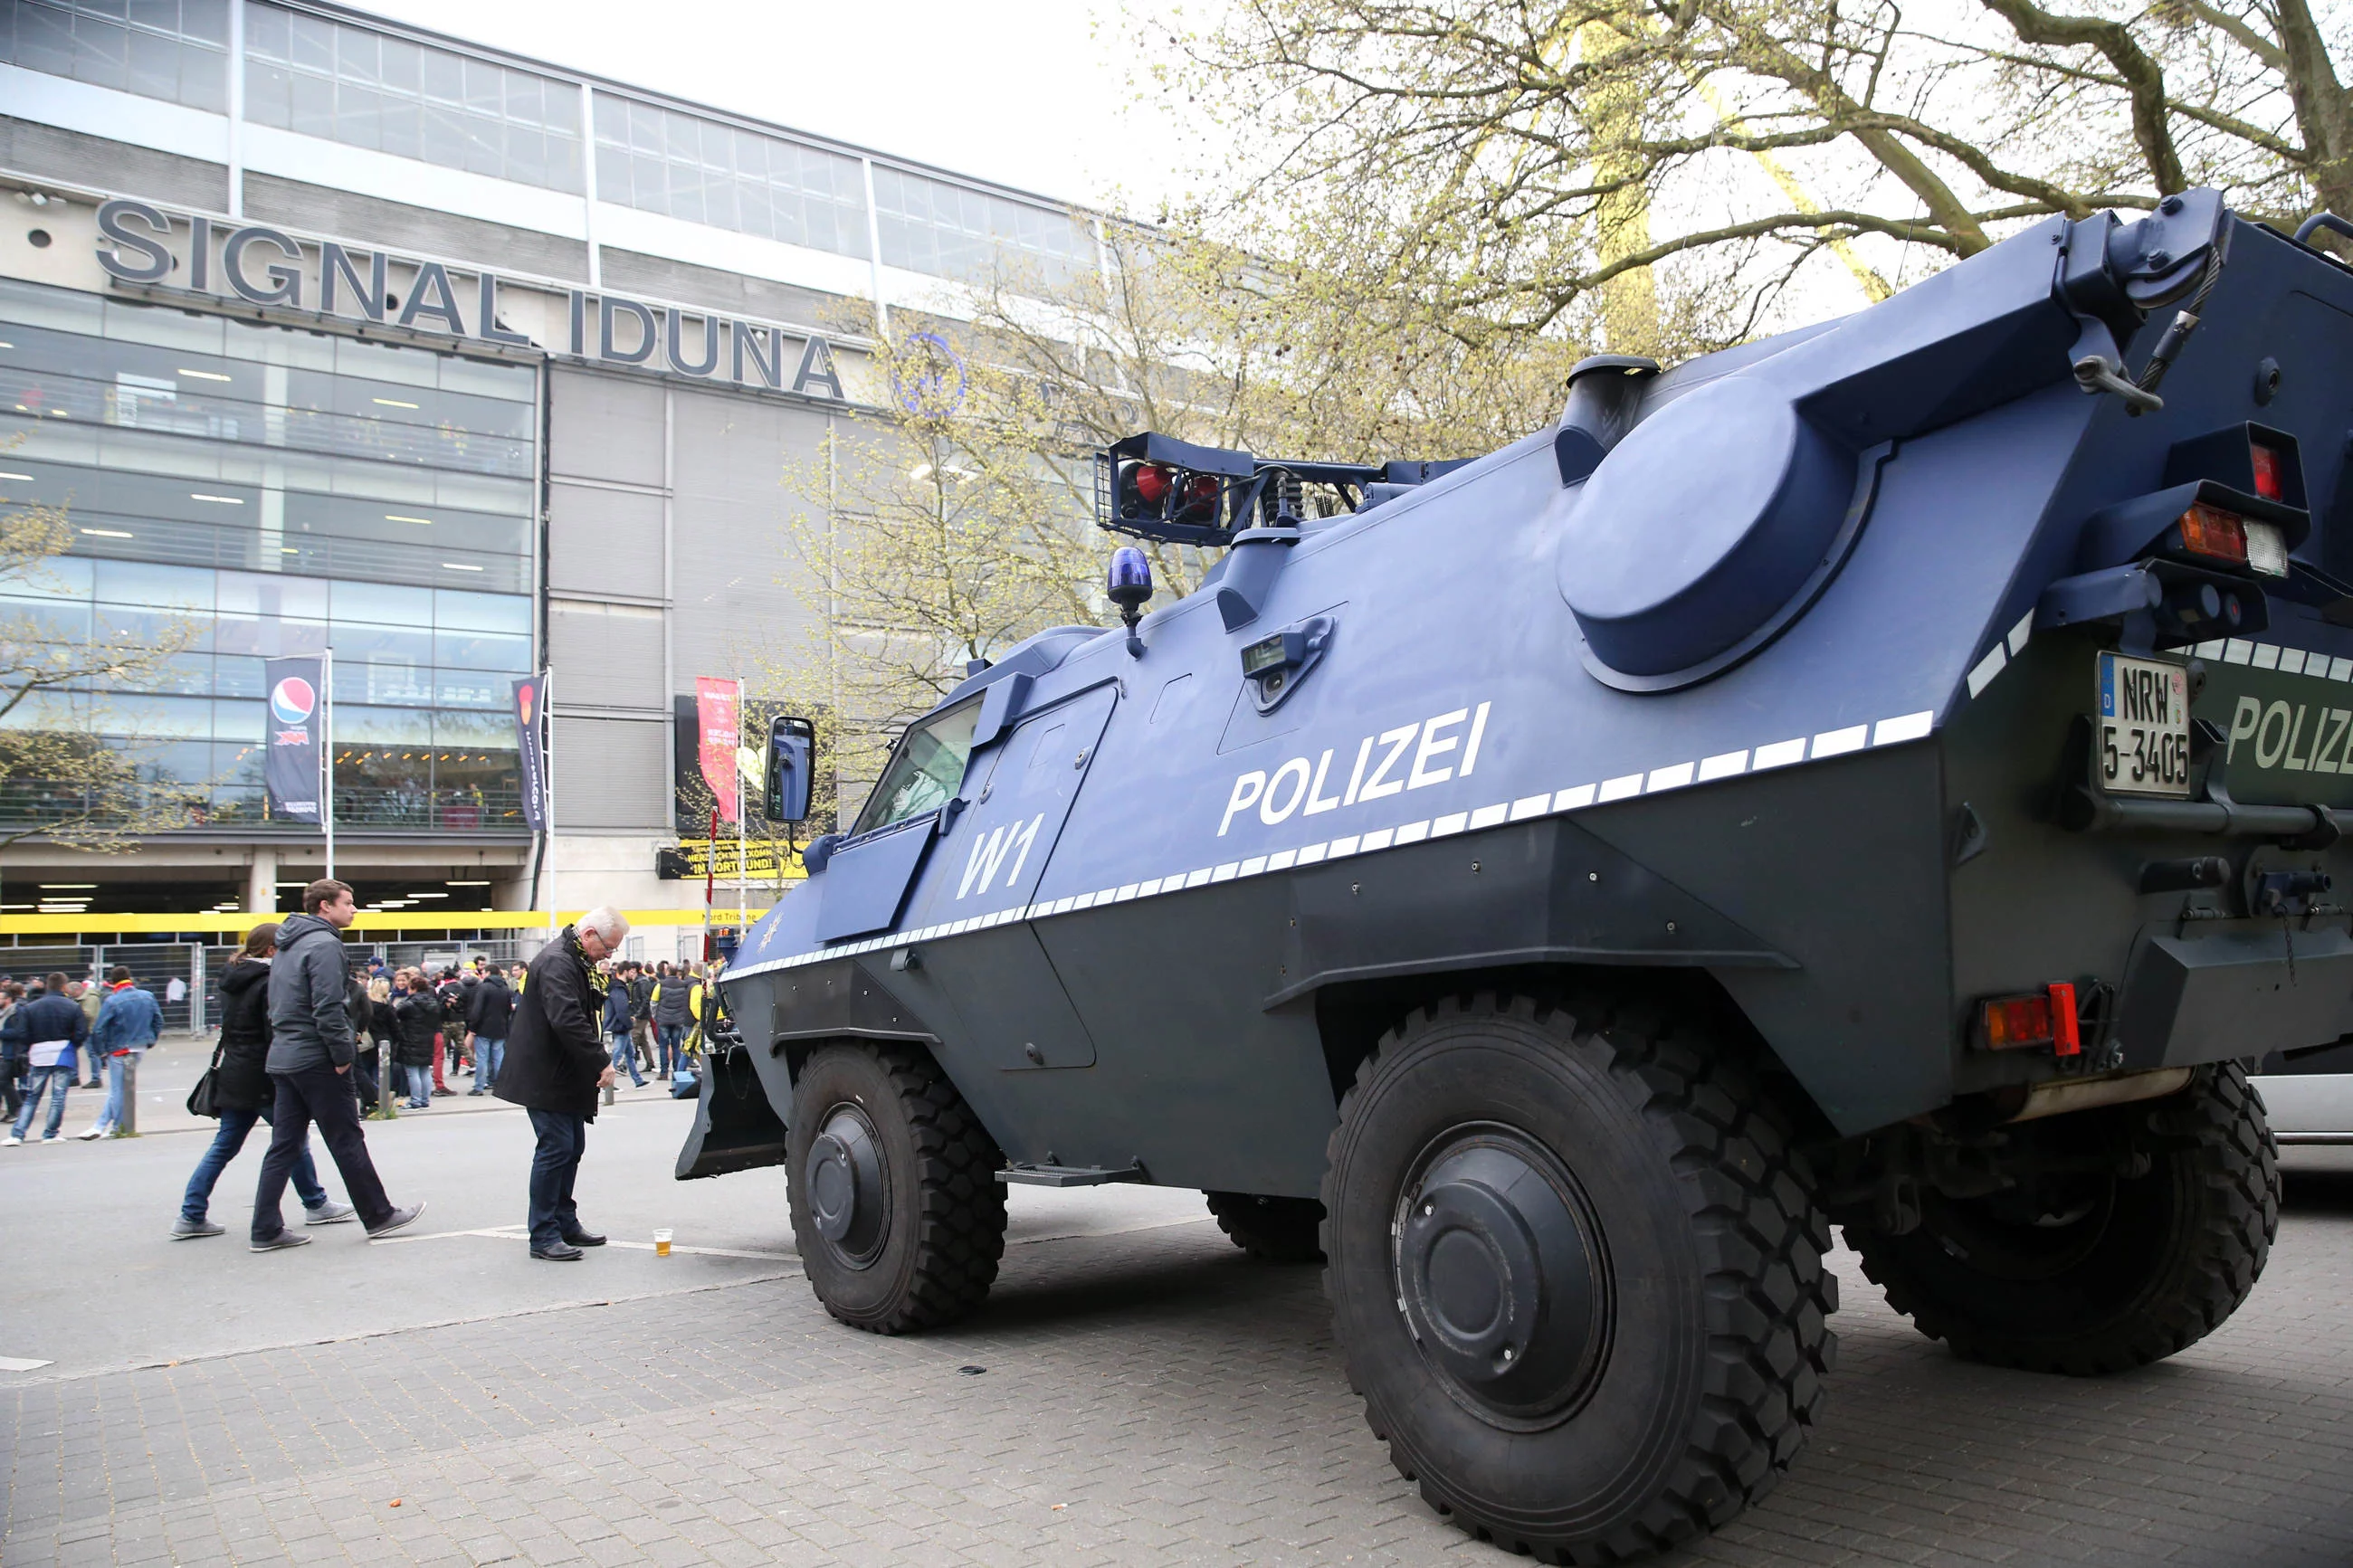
{"x":1136,"y":1399}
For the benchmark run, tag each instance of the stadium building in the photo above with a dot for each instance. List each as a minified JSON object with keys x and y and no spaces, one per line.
{"x":331,"y":333}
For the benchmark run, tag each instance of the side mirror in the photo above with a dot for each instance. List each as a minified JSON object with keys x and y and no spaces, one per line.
{"x":791,"y":751}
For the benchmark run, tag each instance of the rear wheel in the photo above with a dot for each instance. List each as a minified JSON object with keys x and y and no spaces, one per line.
{"x":2086,"y":1271}
{"x":895,"y":1205}
{"x":1274,"y":1231}
{"x":1576,"y":1272}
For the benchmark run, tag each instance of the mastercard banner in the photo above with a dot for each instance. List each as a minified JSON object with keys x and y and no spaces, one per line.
{"x":290,"y":753}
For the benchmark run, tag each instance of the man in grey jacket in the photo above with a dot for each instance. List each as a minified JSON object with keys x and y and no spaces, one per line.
{"x":312,"y":1049}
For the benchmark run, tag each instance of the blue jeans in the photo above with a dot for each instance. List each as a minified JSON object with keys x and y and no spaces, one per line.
{"x":673,"y":1046}
{"x":420,"y":1087}
{"x":55,"y":1080}
{"x":488,"y":1054}
{"x":97,"y":1062}
{"x":624,"y":1055}
{"x":554,"y":1166}
{"x":234,"y":1126}
{"x":111,"y":1117}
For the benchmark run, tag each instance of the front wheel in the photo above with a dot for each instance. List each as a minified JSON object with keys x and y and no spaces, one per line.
{"x":896,"y":1208}
{"x":2127,"y":1233}
{"x":1576,"y":1272}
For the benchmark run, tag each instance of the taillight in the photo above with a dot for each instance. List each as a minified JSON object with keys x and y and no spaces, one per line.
{"x":2046,"y":1017}
{"x":2271,"y":481}
{"x":2211,"y":532}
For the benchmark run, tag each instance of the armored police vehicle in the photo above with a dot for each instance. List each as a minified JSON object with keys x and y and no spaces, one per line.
{"x":1890,"y":776}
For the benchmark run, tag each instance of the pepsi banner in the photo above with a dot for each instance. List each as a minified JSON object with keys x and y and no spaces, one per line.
{"x":290,"y":756}
{"x":529,"y":699}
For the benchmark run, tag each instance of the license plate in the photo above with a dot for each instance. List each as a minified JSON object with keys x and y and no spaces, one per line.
{"x":2144,"y":727}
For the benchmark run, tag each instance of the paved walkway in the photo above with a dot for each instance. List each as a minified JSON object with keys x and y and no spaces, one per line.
{"x":1136,"y":1396}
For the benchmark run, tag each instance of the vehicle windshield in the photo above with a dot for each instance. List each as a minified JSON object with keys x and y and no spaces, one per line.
{"x":925,"y":770}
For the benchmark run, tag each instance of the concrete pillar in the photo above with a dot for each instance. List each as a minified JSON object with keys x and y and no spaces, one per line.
{"x":262,"y":882}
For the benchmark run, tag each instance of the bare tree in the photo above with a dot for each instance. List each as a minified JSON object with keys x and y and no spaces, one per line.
{"x":1516,"y":162}
{"x":61,"y":777}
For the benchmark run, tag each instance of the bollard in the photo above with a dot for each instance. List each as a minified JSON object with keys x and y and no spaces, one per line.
{"x":383,"y":1107}
{"x":610,"y":1091}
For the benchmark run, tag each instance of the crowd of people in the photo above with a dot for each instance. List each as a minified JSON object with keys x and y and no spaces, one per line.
{"x":47,"y":1023}
{"x":310,"y":1037}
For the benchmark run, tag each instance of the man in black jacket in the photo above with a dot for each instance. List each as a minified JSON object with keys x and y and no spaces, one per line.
{"x":490,"y":1007}
{"x":556,"y":1063}
{"x":311,"y":1050}
{"x":43,"y":1032}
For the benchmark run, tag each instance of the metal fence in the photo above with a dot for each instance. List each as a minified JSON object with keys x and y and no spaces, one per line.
{"x":175,"y":972}
{"x":185,"y":976}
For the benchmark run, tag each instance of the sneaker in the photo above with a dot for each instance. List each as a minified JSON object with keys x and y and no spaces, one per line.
{"x":186,"y":1229}
{"x":445,"y":1091}
{"x":283,"y":1239}
{"x":399,"y":1218}
{"x":330,"y":1212}
{"x":54,"y":1137}
{"x":89,"y":1132}
{"x":11,"y":1141}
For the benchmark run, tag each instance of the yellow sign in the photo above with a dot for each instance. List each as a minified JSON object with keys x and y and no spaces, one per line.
{"x":761,"y":860}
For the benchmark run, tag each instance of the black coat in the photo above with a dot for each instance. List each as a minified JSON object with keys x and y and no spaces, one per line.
{"x":414,"y":1021}
{"x":555,"y":1052}
{"x":242,"y":1082}
{"x":489,"y":1008}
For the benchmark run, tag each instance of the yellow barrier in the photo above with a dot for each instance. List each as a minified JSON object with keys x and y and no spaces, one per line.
{"x":382,"y":920}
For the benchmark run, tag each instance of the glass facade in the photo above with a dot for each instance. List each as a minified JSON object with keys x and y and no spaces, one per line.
{"x":351,"y":83}
{"x":953,"y":231}
{"x":280,"y":492}
{"x":355,"y":84}
{"x":176,"y":50}
{"x":661,"y":161}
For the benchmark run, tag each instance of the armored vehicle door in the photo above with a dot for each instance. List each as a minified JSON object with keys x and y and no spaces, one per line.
{"x":1014,"y":1012}
{"x":868,"y":877}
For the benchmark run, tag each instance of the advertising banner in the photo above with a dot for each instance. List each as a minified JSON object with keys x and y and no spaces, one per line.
{"x":290,"y":766}
{"x":529,"y":698}
{"x":718,"y":712}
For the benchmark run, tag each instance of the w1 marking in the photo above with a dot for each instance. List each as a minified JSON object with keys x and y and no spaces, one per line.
{"x":988,"y":854}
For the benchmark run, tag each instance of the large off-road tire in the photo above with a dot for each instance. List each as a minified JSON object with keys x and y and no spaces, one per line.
{"x":2093,"y":1274}
{"x":1575,"y":1271}
{"x":1272,"y":1229}
{"x":896,"y":1208}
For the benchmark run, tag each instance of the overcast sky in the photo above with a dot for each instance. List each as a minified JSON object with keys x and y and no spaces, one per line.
{"x":1033,"y":95}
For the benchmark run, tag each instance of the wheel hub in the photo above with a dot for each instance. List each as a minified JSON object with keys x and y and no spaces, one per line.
{"x":1496,"y":1274}
{"x":848,"y":1187}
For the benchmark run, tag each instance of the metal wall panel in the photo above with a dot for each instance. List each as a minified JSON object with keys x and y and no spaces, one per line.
{"x":657,"y":278}
{"x":604,"y":541}
{"x":320,"y":209}
{"x":107,"y":166}
{"x":604,"y":656}
{"x":605,"y":426}
{"x":611,"y":772}
{"x":741,"y":589}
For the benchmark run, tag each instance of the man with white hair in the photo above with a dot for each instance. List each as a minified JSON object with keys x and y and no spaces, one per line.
{"x":555,"y":1062}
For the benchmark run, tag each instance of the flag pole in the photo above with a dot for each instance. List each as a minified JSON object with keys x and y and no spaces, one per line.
{"x":742,"y":840}
{"x":548,"y":775}
{"x":327,"y":756}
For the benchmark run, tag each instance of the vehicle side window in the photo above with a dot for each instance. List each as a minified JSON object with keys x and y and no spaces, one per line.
{"x":925,"y":769}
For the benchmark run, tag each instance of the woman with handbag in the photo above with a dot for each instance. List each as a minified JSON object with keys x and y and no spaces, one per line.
{"x":237,"y":1090}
